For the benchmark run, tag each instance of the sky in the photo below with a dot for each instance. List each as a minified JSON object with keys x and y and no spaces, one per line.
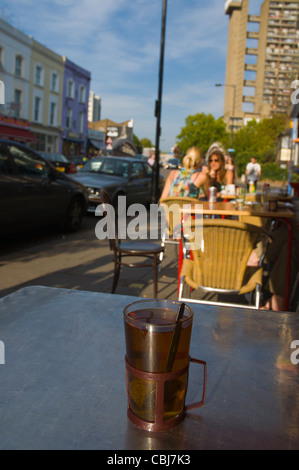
{"x":118,"y":41}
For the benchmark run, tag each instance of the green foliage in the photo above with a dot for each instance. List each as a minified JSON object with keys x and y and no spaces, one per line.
{"x":146,"y":143}
{"x":295,"y":175}
{"x":202,"y":130}
{"x":273,"y":172}
{"x":258,"y":139}
{"x":137,"y":144}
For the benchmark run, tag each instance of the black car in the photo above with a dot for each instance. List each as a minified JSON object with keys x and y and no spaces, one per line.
{"x":33,"y":193}
{"x":173,"y":163}
{"x":60,"y":162}
{"x":119,"y":176}
{"x":79,"y":161}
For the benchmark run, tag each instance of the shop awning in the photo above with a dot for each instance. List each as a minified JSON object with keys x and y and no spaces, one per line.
{"x":97,"y":144}
{"x":16,"y":133}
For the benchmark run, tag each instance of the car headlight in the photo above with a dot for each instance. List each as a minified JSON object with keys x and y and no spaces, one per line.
{"x":94,"y":193}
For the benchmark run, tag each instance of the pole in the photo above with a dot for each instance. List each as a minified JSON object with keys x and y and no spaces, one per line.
{"x":158,"y":108}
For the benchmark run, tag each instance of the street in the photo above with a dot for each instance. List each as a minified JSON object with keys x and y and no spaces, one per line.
{"x":78,"y":260}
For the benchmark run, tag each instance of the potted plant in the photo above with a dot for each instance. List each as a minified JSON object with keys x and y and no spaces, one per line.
{"x":294,"y":180}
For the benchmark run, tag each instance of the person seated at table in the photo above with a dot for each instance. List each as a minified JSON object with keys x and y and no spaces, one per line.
{"x":230,"y":165}
{"x":217,"y":175}
{"x":187,"y":181}
{"x":276,"y":256}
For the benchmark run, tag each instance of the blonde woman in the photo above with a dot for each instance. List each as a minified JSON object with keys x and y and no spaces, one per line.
{"x":187,"y":181}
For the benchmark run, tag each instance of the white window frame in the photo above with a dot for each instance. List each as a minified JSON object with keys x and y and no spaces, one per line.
{"x":70,"y":91}
{"x":81,"y":121}
{"x":53,"y":113}
{"x":18,"y":71}
{"x":56,"y":85}
{"x":69,"y":118}
{"x":2,"y":56}
{"x":17,"y":112}
{"x":37,"y":109}
{"x":82,"y":94}
{"x":39,"y":80}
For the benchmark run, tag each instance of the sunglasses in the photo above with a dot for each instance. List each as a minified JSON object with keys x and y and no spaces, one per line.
{"x":214,"y":160}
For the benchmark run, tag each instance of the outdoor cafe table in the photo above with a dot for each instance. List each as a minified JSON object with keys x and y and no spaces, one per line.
{"x":63,"y":382}
{"x":283,"y":213}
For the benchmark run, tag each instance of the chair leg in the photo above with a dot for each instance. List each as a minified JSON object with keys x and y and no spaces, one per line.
{"x":181,"y":288}
{"x":116,"y":273}
{"x":161,"y":256}
{"x":155,"y":277}
{"x":258,"y":295}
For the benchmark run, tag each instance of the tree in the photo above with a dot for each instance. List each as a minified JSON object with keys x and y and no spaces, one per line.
{"x":202,"y":130}
{"x":146,"y":143}
{"x":258,"y":139}
{"x":137,"y":144}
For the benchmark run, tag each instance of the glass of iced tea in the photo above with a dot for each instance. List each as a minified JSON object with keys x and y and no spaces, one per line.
{"x":156,"y":382}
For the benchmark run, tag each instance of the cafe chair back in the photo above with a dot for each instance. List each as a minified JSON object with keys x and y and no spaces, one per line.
{"x":173,"y":219}
{"x":132,"y":253}
{"x":219,"y":265}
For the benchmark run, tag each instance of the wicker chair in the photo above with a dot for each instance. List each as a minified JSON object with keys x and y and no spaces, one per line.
{"x":173,"y":228}
{"x":135,"y":250}
{"x":220,"y":264}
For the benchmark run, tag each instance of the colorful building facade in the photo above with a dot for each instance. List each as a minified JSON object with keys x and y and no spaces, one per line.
{"x":74,"y":118}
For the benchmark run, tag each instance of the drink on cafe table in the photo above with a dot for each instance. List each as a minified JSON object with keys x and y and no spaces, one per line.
{"x":149,"y":330}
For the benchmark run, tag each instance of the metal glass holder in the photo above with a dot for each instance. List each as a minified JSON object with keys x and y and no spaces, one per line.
{"x":160,"y":378}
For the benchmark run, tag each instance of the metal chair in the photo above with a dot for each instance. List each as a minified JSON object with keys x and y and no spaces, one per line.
{"x":219,"y":265}
{"x":128,"y":249}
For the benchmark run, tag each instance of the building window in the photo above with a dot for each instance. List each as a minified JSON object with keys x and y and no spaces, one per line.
{"x":38,"y":79}
{"x":81,"y":122}
{"x":1,"y":56}
{"x":70,"y":89}
{"x":82,"y":94}
{"x":37,"y":104}
{"x":69,"y":116}
{"x":18,"y":65}
{"x":17,"y":103}
{"x":52,"y":114}
{"x":54,"y":81}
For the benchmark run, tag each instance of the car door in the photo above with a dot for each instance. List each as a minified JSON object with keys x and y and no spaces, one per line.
{"x":13,"y":214}
{"x":138,"y":190}
{"x":148,"y":184}
{"x":44,"y":198}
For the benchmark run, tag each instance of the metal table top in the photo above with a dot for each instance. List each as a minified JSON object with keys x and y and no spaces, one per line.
{"x":63,"y":380}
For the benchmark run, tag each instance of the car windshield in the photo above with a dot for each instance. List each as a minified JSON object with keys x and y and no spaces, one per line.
{"x":107,"y":166}
{"x":55,"y":157}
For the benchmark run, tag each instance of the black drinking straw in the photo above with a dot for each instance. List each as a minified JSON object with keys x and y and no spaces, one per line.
{"x":175,"y":339}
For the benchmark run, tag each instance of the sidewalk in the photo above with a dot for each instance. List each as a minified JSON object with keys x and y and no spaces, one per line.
{"x":80,"y":261}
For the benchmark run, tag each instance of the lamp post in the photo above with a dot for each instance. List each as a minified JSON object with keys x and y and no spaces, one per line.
{"x":233,"y":108}
{"x":158,"y":107}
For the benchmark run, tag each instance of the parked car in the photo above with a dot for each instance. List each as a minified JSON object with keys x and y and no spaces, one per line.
{"x":119,"y":176}
{"x":173,"y":163}
{"x":60,"y":162}
{"x":79,"y":161}
{"x":33,"y":193}
{"x":141,"y":157}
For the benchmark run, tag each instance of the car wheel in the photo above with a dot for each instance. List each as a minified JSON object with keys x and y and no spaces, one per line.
{"x":74,"y":215}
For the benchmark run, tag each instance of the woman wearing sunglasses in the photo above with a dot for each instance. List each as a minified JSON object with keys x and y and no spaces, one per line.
{"x":217,"y":174}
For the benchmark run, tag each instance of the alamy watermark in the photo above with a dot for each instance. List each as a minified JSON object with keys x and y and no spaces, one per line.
{"x":161,"y":218}
{"x":295,"y":354}
{"x":2,"y":353}
{"x":295,"y":94}
{"x":2,"y":92}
